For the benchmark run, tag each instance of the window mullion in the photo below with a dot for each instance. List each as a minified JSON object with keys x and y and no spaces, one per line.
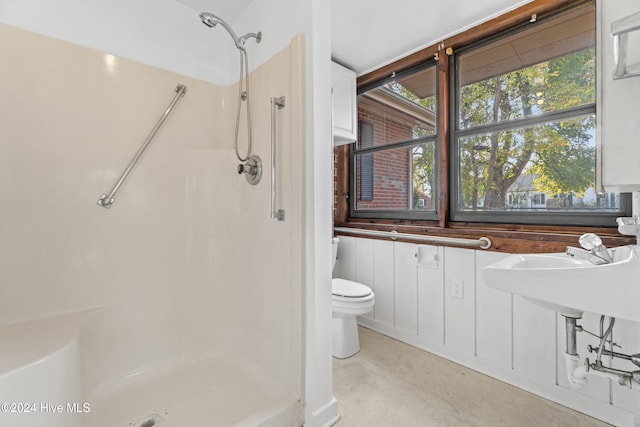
{"x":582,"y":110}
{"x":442,"y":165}
{"x":410,"y":143}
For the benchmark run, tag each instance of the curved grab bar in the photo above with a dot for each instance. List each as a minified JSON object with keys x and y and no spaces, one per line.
{"x":107,"y":200}
{"x":481,"y":243}
{"x":279,"y":104}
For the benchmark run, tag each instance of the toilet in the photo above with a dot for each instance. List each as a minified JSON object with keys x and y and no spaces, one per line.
{"x":348,"y":300}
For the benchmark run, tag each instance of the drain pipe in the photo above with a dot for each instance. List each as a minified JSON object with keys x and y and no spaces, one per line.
{"x":577,"y":376}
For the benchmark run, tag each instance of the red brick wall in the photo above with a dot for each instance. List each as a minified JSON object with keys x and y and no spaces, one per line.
{"x":392,"y":183}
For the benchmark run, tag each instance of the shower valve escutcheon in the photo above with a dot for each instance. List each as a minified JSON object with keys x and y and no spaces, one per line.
{"x":252,"y":169}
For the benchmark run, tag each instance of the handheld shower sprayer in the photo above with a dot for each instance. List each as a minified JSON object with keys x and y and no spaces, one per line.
{"x":209,"y":19}
{"x":253,"y":166}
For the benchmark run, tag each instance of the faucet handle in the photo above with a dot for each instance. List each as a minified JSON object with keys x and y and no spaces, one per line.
{"x":590,"y":241}
{"x":593,"y":243}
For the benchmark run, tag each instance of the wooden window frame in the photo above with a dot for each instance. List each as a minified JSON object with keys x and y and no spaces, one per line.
{"x":511,"y":238}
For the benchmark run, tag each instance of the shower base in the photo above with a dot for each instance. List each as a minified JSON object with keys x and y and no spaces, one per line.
{"x":209,"y":392}
{"x":41,"y":372}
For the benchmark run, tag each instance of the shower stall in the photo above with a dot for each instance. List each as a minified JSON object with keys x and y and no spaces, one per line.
{"x":183,"y":303}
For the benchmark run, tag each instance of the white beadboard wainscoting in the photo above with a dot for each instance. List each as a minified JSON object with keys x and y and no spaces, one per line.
{"x":434,"y":298}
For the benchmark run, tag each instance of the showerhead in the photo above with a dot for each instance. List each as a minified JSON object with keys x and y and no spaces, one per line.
{"x":211,"y":20}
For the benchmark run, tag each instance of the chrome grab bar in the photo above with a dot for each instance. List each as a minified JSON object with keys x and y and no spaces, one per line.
{"x":107,"y":200}
{"x":481,"y":243}
{"x":279,"y":104}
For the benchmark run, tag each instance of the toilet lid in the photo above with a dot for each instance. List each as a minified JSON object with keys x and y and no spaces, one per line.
{"x":347,"y":288}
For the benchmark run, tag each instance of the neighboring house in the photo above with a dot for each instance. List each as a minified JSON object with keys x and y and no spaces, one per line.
{"x":524,"y":195}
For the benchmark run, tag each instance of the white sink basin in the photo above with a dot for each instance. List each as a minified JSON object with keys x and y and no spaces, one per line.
{"x":571,"y":285}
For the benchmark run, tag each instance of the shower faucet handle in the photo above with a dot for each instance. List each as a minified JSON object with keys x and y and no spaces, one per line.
{"x":249,"y":169}
{"x":252,"y":169}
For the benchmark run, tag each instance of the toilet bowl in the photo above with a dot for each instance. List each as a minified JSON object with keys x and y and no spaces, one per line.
{"x":348,"y":300}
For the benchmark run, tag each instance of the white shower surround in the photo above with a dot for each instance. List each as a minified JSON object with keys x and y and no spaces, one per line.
{"x":128,"y":31}
{"x":186,"y":268}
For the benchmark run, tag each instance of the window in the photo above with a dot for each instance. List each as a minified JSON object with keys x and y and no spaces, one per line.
{"x":525,"y":125}
{"x":522,"y":139}
{"x":394,"y":159}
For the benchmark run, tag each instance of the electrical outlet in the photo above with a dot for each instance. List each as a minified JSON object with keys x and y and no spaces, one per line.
{"x":457,"y":289}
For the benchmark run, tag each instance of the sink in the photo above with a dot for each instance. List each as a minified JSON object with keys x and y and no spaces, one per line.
{"x":571,"y":285}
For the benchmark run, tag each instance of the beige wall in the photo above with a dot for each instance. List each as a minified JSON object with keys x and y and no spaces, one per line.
{"x":187,"y":260}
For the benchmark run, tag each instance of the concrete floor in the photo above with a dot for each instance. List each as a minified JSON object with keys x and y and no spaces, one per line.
{"x":391,"y":384}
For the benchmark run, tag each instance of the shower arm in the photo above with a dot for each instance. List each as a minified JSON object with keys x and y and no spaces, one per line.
{"x":241,"y":41}
{"x":107,"y":200}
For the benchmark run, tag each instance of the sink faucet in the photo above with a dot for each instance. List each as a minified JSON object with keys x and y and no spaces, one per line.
{"x":594,"y":251}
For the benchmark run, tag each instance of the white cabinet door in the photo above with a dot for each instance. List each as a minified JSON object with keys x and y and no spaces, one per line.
{"x":618,"y":103}
{"x":344,"y":104}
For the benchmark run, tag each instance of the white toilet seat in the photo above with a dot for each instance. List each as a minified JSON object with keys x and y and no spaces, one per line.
{"x":350,"y":298}
{"x":350,"y":292}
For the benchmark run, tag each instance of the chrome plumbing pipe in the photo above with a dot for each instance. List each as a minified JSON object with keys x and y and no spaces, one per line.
{"x":570,"y":324}
{"x":634,"y":358}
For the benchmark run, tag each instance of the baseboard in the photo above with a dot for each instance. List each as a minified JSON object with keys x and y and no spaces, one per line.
{"x":325,"y":416}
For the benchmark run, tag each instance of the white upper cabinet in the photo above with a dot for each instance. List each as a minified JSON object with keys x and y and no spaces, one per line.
{"x":618,"y":149}
{"x":344,"y":104}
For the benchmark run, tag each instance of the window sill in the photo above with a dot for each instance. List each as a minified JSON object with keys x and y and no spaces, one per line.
{"x":511,"y":238}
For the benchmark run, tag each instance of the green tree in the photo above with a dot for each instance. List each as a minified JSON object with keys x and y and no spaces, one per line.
{"x":560,"y":154}
{"x":423,"y":169}
{"x":568,"y":164}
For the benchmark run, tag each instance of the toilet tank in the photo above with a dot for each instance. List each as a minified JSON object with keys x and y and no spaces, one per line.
{"x":334,"y":247}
